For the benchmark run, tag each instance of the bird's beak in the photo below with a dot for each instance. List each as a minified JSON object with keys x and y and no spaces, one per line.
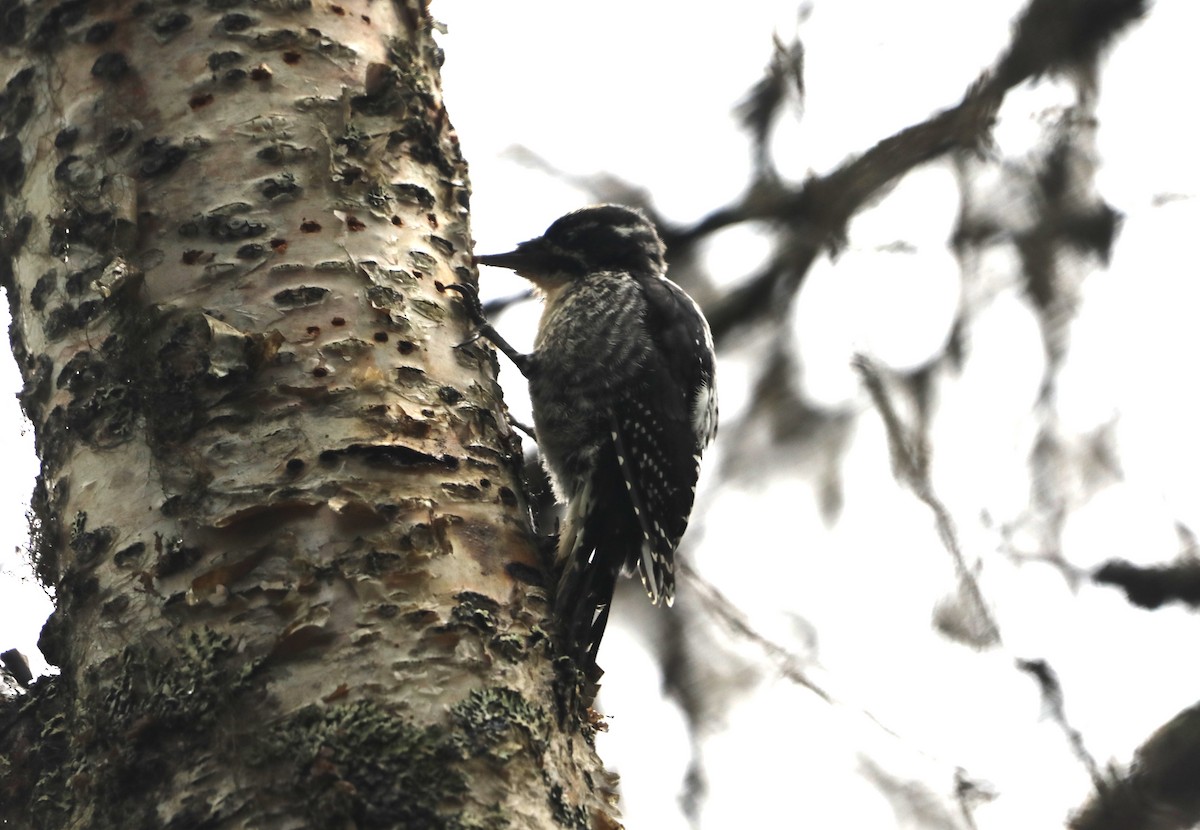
{"x":511,"y":260}
{"x":529,"y":259}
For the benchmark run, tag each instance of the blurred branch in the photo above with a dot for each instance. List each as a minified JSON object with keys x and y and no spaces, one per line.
{"x":493,"y":308}
{"x":1159,"y":791}
{"x":729,"y":615}
{"x":1052,"y":697}
{"x":603,"y":187}
{"x":910,"y":464}
{"x":1058,"y":35}
{"x":1151,"y":587}
{"x":1050,"y":35}
{"x":761,"y":107}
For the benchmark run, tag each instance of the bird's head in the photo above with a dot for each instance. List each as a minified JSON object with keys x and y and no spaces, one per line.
{"x":587,"y":241}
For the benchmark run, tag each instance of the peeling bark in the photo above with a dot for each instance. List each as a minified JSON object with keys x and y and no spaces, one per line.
{"x":279,"y":505}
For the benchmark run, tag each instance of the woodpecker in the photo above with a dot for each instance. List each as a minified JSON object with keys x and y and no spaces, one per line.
{"x":622,"y":381}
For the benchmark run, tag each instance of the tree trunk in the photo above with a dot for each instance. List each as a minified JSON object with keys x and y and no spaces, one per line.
{"x":280,"y":507}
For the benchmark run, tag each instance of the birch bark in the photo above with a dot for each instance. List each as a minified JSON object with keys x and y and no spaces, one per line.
{"x":279,"y":506}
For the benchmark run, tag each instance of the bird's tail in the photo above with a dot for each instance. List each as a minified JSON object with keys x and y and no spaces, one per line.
{"x":585,"y":590}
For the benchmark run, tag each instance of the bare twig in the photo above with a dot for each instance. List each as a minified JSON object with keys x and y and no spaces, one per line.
{"x":1052,"y":697}
{"x":910,"y":462}
{"x":729,"y":615}
{"x":967,"y":791}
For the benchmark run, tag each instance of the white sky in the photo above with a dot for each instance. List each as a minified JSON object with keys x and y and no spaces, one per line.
{"x":640,"y":90}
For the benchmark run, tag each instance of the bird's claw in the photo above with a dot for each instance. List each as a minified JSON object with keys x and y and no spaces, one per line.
{"x":471,"y":303}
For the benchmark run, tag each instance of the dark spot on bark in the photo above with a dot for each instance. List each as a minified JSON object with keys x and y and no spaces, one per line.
{"x":251,"y":251}
{"x":66,"y":138}
{"x":406,"y":347}
{"x":176,"y":556}
{"x":309,"y":226}
{"x":381,"y":337}
{"x":57,"y":20}
{"x":75,"y":281}
{"x":355,"y":224}
{"x":234,"y":76}
{"x":66,"y":170}
{"x":295,"y":465}
{"x":393,"y":456}
{"x":508,"y":497}
{"x":43,"y":288}
{"x":223,"y":60}
{"x":377,"y":562}
{"x":12,"y":166}
{"x":320,"y":372}
{"x":291,"y":58}
{"x":159,"y":157}
{"x":102,"y":407}
{"x":79,"y":587}
{"x":35,"y":391}
{"x":171,"y":23}
{"x":476,"y":610}
{"x":462,"y":492}
{"x":422,"y":260}
{"x":262,"y":72}
{"x":449,"y":395}
{"x":89,"y":310}
{"x":16,"y":102}
{"x":129,"y":555}
{"x":100,"y":32}
{"x":12,"y":22}
{"x":117,"y":138}
{"x":200,"y":100}
{"x":221,"y":5}
{"x":235,"y":22}
{"x":300,"y":296}
{"x":62,"y":320}
{"x":279,"y":188}
{"x":111,"y":66}
{"x":279,"y":245}
{"x":272,"y":154}
{"x":525,"y":573}
{"x":223,"y":225}
{"x":414,"y":194}
{"x":115,"y":607}
{"x":89,"y":546}
{"x":443,"y":245}
{"x":376,"y":197}
{"x":338,"y":321}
